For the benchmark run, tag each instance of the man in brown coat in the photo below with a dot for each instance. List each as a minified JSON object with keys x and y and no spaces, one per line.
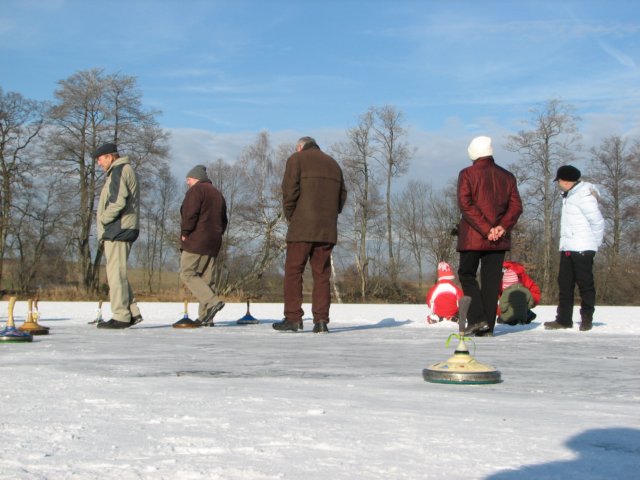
{"x":490,"y":206}
{"x":203,"y":222}
{"x":313,"y":195}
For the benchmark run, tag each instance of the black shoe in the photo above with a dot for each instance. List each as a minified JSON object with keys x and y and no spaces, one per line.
{"x":300,"y":325}
{"x":320,"y":327}
{"x":484,"y":333}
{"x":586,"y":324}
{"x":555,"y":325}
{"x":187,"y":323}
{"x":475,"y":328}
{"x":207,"y":321}
{"x":114,"y":324}
{"x":287,"y":326}
{"x":500,"y":320}
{"x":135,"y":320}
{"x":530,"y":317}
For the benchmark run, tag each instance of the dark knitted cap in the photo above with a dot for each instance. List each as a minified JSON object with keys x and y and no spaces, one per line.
{"x":199,"y":172}
{"x":105,"y":149}
{"x":568,"y":173}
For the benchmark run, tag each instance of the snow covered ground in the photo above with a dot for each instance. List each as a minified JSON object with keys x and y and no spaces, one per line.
{"x":246,"y":402}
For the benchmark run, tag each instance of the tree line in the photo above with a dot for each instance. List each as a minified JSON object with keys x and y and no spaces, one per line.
{"x":390,"y":240}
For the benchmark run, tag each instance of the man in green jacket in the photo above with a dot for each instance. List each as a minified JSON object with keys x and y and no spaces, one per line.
{"x":118,"y":227}
{"x":313,"y":195}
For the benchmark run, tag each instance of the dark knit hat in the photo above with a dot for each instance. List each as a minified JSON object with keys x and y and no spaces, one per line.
{"x":105,"y":149}
{"x":568,"y":173}
{"x":199,"y":172}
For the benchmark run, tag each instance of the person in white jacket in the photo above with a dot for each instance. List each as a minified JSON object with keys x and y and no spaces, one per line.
{"x":581,"y":233}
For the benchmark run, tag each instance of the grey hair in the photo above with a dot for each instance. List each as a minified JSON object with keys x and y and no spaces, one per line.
{"x":304,"y":141}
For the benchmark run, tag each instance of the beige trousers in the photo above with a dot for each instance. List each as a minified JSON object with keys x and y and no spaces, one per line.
{"x":123,"y":303}
{"x":196,"y":272}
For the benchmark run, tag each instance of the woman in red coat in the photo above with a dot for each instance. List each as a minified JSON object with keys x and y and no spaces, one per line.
{"x":490,"y":206}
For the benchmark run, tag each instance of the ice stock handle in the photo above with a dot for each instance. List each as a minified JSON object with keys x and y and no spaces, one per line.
{"x":463,"y":309}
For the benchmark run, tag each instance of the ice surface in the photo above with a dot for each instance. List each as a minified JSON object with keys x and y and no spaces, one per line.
{"x":247,"y":402}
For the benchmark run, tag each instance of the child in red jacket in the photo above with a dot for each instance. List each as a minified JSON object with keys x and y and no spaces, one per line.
{"x":443,"y":297}
{"x":520,"y":279}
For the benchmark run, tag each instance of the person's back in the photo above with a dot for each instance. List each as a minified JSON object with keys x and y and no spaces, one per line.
{"x":312,"y":196}
{"x":204,"y":219}
{"x":488,"y":196}
{"x":524,"y":279}
{"x":515,"y":302}
{"x":489,"y":205}
{"x":443,"y":297}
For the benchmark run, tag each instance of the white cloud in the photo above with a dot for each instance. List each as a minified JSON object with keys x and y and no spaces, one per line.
{"x":190,"y":147}
{"x":622,"y":58}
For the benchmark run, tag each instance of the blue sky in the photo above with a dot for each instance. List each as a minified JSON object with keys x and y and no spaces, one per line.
{"x":221,"y":71}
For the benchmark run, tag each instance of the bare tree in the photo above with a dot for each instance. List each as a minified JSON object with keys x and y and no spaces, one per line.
{"x":443,"y":217}
{"x":634,"y":210}
{"x":412,"y":217}
{"x":394,"y":155}
{"x":156,"y":244}
{"x":228,"y":179}
{"x":259,"y":216}
{"x":91,"y":108}
{"x":551,"y":141}
{"x":21,"y":122}
{"x":611,"y":167}
{"x":34,"y":233}
{"x":356,"y":155}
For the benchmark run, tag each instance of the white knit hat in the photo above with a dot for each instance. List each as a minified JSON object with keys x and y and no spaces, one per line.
{"x":480,"y":147}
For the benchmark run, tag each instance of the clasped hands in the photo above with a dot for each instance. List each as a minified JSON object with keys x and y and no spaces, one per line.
{"x":496,"y":233}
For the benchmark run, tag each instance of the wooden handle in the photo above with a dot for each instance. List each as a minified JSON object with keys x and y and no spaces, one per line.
{"x":10,"y":322}
{"x":186,"y":306}
{"x":463,"y":309}
{"x":29,"y":318}
{"x":99,"y":304}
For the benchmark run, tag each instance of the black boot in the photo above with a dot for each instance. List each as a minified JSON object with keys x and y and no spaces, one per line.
{"x":286,"y":325}
{"x":207,"y":321}
{"x":555,"y":325}
{"x":474,"y":328}
{"x":114,"y":324}
{"x":320,"y":327}
{"x":587,"y":322}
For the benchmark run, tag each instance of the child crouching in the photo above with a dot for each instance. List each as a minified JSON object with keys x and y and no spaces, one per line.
{"x":443,"y":297}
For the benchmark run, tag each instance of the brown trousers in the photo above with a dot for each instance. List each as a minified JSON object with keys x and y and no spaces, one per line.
{"x":319,"y":256}
{"x":196,"y":272}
